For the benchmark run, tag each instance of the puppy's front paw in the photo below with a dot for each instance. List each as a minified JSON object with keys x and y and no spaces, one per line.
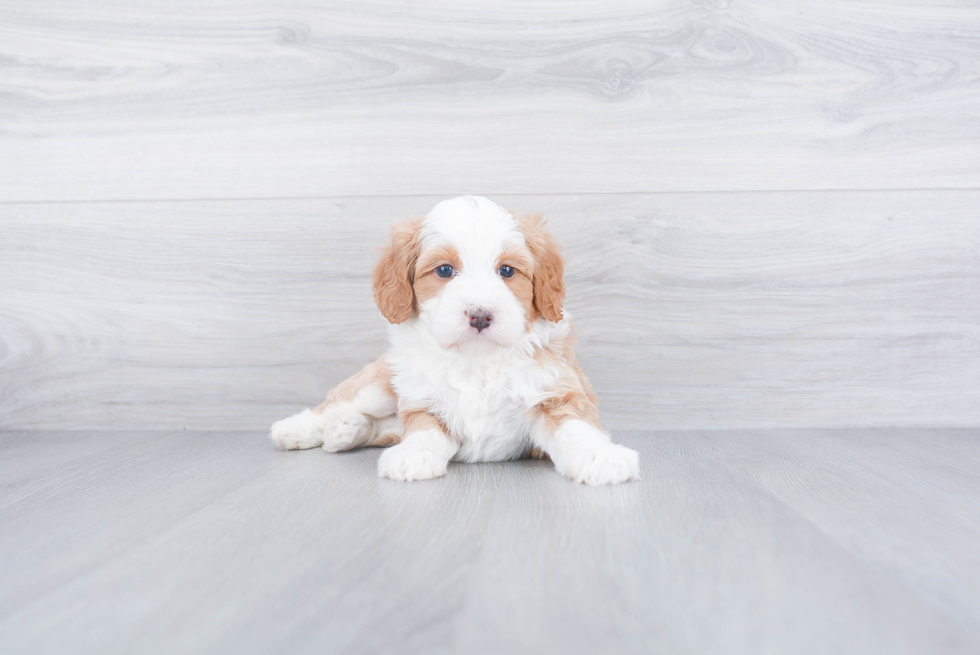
{"x":344,"y":428}
{"x":600,"y":463}
{"x":408,"y":461}
{"x":304,"y":430}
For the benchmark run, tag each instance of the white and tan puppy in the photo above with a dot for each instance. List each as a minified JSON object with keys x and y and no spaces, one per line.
{"x":480,"y":366}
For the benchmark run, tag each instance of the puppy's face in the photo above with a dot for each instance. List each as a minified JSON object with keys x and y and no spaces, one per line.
{"x":475,"y":277}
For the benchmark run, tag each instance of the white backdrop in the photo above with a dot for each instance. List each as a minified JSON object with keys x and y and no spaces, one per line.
{"x":771,"y":210}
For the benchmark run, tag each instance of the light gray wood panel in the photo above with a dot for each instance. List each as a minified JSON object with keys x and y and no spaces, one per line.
{"x":215,"y":99}
{"x":693,"y":311}
{"x":799,"y":541}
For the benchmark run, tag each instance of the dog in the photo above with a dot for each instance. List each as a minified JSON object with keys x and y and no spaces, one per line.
{"x":480,"y":365}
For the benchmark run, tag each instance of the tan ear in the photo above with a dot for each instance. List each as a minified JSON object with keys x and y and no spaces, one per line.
{"x":394,"y":273}
{"x":549,"y":268}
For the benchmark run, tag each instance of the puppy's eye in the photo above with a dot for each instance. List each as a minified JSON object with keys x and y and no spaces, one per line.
{"x":445,"y":270}
{"x":506,"y":271}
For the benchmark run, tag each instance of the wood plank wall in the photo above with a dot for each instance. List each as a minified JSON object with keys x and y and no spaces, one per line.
{"x":771,"y":210}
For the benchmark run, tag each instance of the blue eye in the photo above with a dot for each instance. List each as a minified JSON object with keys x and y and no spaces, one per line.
{"x":506,"y":271}
{"x":445,"y":270}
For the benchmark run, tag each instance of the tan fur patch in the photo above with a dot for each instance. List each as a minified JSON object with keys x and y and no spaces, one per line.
{"x":521,"y":285}
{"x":518,"y":257}
{"x":427,"y":283}
{"x":375,"y":373}
{"x":432,"y":257}
{"x":393,"y":275}
{"x":570,"y":402}
{"x":549,"y":267}
{"x":572,"y":396}
{"x":387,"y":439}
{"x":416,"y":420}
{"x":537,"y":453}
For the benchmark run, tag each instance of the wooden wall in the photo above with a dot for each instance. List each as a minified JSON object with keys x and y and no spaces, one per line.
{"x":771,"y":210}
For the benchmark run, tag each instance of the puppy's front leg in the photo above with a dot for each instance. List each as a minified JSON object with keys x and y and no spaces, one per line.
{"x":585,"y":454}
{"x":424,"y":451}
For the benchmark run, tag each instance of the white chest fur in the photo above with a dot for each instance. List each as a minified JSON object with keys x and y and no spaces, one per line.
{"x":483,"y":399}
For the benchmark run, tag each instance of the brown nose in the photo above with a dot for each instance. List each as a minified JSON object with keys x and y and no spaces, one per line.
{"x":479,"y":318}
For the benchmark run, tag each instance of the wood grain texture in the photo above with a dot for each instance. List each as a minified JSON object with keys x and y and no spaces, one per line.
{"x":875,"y":480}
{"x":693,"y":310}
{"x":799,"y":541}
{"x":218,"y":542}
{"x":220,"y":99}
{"x":699,"y":558}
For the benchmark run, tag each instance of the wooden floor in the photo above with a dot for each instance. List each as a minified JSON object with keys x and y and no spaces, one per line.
{"x":807,"y":541}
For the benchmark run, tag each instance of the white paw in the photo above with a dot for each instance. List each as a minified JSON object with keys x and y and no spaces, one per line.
{"x":600,"y":463}
{"x":304,"y":430}
{"x":344,"y":428}
{"x":410,"y":461}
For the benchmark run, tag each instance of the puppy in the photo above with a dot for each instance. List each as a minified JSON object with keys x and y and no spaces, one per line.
{"x":480,"y":366}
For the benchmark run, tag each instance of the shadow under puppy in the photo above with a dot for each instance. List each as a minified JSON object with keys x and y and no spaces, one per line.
{"x":480,"y":365}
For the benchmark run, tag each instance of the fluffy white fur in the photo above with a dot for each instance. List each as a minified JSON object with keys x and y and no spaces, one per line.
{"x":486,"y":388}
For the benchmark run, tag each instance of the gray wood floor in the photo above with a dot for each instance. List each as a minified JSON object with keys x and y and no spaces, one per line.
{"x":775,"y":541}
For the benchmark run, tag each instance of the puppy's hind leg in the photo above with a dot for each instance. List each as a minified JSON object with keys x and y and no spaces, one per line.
{"x":345,"y":428}
{"x":303,"y":430}
{"x":349,"y":418}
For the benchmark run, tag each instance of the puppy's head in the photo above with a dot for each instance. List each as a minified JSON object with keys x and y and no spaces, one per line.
{"x":471,"y":273}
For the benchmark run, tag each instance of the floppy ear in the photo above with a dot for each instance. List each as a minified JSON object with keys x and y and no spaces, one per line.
{"x":549,"y":268}
{"x":394,"y":273}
